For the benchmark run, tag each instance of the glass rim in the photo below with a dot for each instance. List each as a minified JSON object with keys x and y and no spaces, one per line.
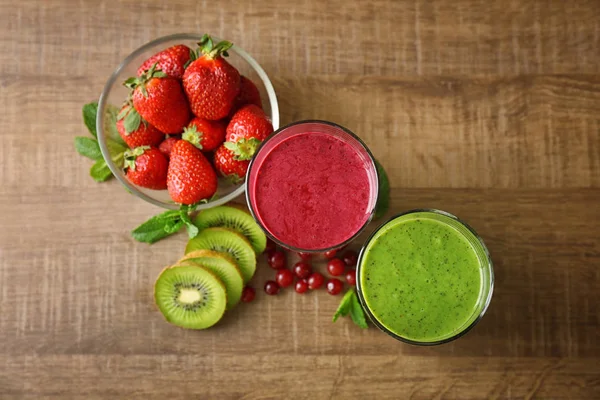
{"x":102,"y":103}
{"x":273,"y":135}
{"x":417,"y":342}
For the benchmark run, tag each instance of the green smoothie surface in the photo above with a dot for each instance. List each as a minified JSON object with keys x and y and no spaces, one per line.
{"x":420,"y":278}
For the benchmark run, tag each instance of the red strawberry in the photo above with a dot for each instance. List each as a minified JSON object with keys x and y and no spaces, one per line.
{"x":167,"y":145}
{"x":171,"y":61}
{"x":135,"y":131}
{"x":191,"y":178}
{"x":146,"y":167}
{"x":249,"y":122}
{"x":249,"y":94}
{"x":229,"y":166}
{"x":204,"y":134}
{"x":210,"y":82}
{"x":160,"y":100}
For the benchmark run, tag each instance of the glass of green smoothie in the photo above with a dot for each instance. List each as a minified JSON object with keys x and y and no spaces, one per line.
{"x":425,"y":277}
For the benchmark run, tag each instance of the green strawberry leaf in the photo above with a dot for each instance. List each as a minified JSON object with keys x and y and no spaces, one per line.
{"x":132,"y":121}
{"x":158,"y":227}
{"x":192,"y":135}
{"x":383,"y":196}
{"x":191,"y":228}
{"x":90,"y":111}
{"x":357,"y":313}
{"x":88,"y":147}
{"x":345,"y":304}
{"x":243,"y":149}
{"x":100,"y":171}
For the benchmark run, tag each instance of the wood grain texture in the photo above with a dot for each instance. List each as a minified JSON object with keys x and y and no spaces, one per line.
{"x":487,"y":109}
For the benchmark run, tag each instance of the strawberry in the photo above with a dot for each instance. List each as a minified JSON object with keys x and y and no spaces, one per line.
{"x":249,"y":94}
{"x":229,"y":166}
{"x":210,"y":82}
{"x":166,"y":145}
{"x":204,"y":134}
{"x":171,"y":61}
{"x":145,"y":166}
{"x":191,"y":178}
{"x":135,"y":131}
{"x":160,"y":100}
{"x":249,"y":122}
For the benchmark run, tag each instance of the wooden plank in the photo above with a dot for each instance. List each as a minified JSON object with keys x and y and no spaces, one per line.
{"x":525,"y":132}
{"x":277,"y":376}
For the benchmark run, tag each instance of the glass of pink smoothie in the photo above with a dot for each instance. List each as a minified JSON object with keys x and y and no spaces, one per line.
{"x":312,"y":186}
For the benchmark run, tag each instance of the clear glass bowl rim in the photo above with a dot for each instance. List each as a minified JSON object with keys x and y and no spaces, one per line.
{"x":112,"y":80}
{"x":392,"y":334}
{"x":371,"y":159}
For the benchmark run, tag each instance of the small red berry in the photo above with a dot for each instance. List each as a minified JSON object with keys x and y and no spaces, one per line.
{"x":330,"y":254}
{"x":284,"y":278}
{"x":302,"y":269}
{"x":248,"y":294}
{"x":277,"y":259}
{"x":301,"y":286}
{"x":271,"y":246}
{"x":351,"y":277}
{"x":305,"y":256}
{"x":315,"y":280}
{"x":334,"y":286}
{"x":271,"y":288}
{"x":336,"y":267}
{"x":350,"y":257}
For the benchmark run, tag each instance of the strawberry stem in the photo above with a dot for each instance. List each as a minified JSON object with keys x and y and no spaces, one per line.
{"x":211,"y":50}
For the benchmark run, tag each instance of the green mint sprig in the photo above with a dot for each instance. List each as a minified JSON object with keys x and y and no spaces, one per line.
{"x":383,"y":195}
{"x":89,"y":147}
{"x":351,"y":305}
{"x":166,"y":224}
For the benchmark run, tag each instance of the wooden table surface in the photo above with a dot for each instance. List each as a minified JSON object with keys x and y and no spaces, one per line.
{"x":487,"y":109}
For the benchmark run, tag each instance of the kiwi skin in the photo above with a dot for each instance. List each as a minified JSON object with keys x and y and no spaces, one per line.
{"x":232,"y":278}
{"x":220,"y":288}
{"x":237,"y":218}
{"x":248,"y":268}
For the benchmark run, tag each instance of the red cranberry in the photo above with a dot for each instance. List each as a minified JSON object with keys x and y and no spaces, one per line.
{"x":315,"y":280}
{"x":305,"y":256}
{"x":351,"y":277}
{"x":334,"y":286}
{"x":284,"y":278}
{"x":277,"y":259}
{"x":248,"y":294}
{"x":336,"y":267}
{"x":301,"y":286}
{"x":302,"y":269}
{"x":271,"y":246}
{"x":330,"y":254}
{"x":271,"y":288}
{"x":350,"y":257}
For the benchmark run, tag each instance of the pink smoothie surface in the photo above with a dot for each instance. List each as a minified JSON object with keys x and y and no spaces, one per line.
{"x":312,"y":191}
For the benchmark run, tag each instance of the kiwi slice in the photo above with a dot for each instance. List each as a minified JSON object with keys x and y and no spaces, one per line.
{"x":236,"y":218}
{"x":223,"y":266}
{"x":226,"y":241}
{"x":190,"y":297}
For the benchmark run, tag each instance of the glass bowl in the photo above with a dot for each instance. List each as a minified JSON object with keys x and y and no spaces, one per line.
{"x":114,"y":94}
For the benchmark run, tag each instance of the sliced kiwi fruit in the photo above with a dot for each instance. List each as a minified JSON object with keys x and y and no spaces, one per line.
{"x":223,"y":266}
{"x":226,"y":241}
{"x":234,"y":217}
{"x":191,"y":297}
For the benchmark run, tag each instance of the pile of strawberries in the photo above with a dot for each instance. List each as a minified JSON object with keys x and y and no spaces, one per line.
{"x":189,"y":117}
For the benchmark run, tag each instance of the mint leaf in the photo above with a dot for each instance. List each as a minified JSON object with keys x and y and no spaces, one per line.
{"x":115,"y":148}
{"x":88,"y":147}
{"x":158,"y":227}
{"x":100,"y":171}
{"x":185,"y":217}
{"x":345,"y":304}
{"x":383,"y":195}
{"x":110,"y":124}
{"x":90,"y":111}
{"x":356,"y":312}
